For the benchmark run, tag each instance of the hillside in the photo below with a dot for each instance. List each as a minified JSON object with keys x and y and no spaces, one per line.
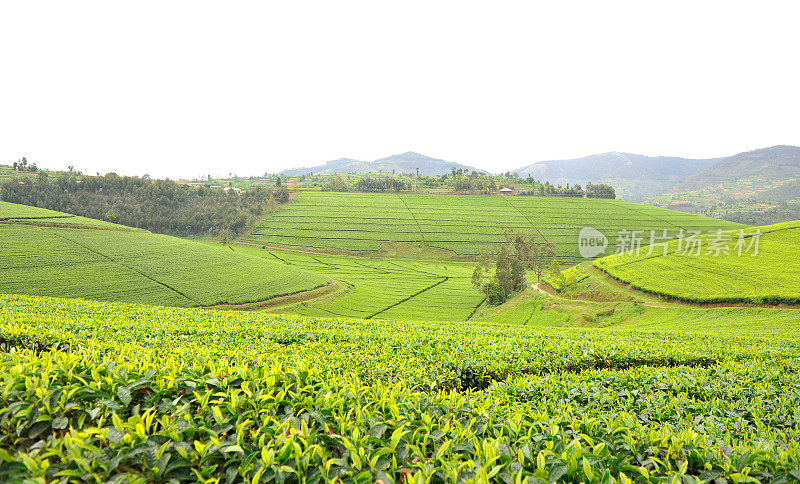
{"x":459,"y":225}
{"x":770,"y":274}
{"x":407,"y":162}
{"x":55,"y":254}
{"x":635,"y":177}
{"x":766,"y":174}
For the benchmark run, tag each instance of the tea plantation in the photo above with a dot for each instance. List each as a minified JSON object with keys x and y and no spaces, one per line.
{"x":385,"y":288}
{"x":52,"y":254}
{"x":110,"y":392}
{"x":754,"y":265}
{"x":460,"y":224}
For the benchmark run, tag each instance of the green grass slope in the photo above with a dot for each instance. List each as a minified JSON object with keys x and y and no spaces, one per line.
{"x":772,"y":276}
{"x":54,"y":254}
{"x":385,"y":288}
{"x":113,"y":392}
{"x":25,"y":214}
{"x":463,"y":224}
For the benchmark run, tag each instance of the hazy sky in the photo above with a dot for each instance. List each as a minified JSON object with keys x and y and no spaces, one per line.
{"x":188,"y":88}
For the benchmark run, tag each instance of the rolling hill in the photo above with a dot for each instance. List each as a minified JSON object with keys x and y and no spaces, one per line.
{"x":51,"y":253}
{"x":459,"y":225}
{"x":635,"y":177}
{"x":407,"y":162}
{"x":765,"y":174}
{"x":751,"y":268}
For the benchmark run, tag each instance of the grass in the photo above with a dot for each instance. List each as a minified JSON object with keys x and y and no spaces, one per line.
{"x":461,"y":224}
{"x":72,"y":260}
{"x":772,"y":276}
{"x":118,"y":392}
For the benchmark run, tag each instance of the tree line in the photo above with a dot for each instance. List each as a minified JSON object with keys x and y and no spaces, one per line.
{"x":464,"y":181}
{"x":161,"y":206}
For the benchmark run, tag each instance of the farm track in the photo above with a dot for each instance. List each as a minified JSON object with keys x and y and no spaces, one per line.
{"x":284,"y":300}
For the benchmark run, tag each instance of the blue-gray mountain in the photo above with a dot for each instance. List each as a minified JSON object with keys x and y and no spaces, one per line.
{"x":635,"y":177}
{"x":639,"y":177}
{"x":407,"y":162}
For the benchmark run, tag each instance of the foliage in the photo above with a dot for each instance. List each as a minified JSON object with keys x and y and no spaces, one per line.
{"x":380,"y":184}
{"x":161,"y":206}
{"x":335,"y":183}
{"x":113,"y":392}
{"x":512,"y":261}
{"x":600,"y":191}
{"x":22,"y":165}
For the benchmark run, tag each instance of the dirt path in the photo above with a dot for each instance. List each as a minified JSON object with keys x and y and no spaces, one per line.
{"x":562,"y":298}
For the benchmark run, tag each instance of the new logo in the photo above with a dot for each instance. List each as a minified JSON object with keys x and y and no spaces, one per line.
{"x":591,"y":242}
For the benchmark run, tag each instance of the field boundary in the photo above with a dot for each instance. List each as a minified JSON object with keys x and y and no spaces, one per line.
{"x":444,"y":279}
{"x":419,"y":227}
{"x":525,"y":217}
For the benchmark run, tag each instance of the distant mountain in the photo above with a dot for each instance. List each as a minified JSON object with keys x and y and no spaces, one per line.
{"x":635,"y":177}
{"x":766,"y":174}
{"x":403,"y":163}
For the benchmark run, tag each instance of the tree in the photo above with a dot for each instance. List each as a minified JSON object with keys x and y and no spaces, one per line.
{"x":278,"y":182}
{"x":540,"y":255}
{"x":512,"y":261}
{"x":335,"y":184}
{"x":556,"y":274}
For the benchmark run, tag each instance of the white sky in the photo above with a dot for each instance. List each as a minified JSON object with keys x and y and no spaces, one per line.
{"x":182,"y":89}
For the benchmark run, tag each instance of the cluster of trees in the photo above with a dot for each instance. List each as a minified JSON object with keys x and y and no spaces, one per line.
{"x":23,"y":165}
{"x":518,"y":255}
{"x":546,"y":189}
{"x":600,"y":190}
{"x":337,"y":183}
{"x":161,"y":206}
{"x":381,"y":184}
{"x":474,"y":183}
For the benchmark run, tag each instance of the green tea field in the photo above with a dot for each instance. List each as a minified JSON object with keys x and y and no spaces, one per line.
{"x":728,"y":267}
{"x":131,"y":393}
{"x":460,"y":224}
{"x":54,"y":254}
{"x":385,"y":288}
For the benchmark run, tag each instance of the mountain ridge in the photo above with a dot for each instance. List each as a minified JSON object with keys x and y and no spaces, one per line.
{"x":407,"y":162}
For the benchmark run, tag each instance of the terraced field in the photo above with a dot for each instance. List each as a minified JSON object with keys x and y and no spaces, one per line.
{"x":702,"y":273}
{"x":129,"y":393}
{"x":385,"y":288}
{"x":112,"y":263}
{"x":462,"y":224}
